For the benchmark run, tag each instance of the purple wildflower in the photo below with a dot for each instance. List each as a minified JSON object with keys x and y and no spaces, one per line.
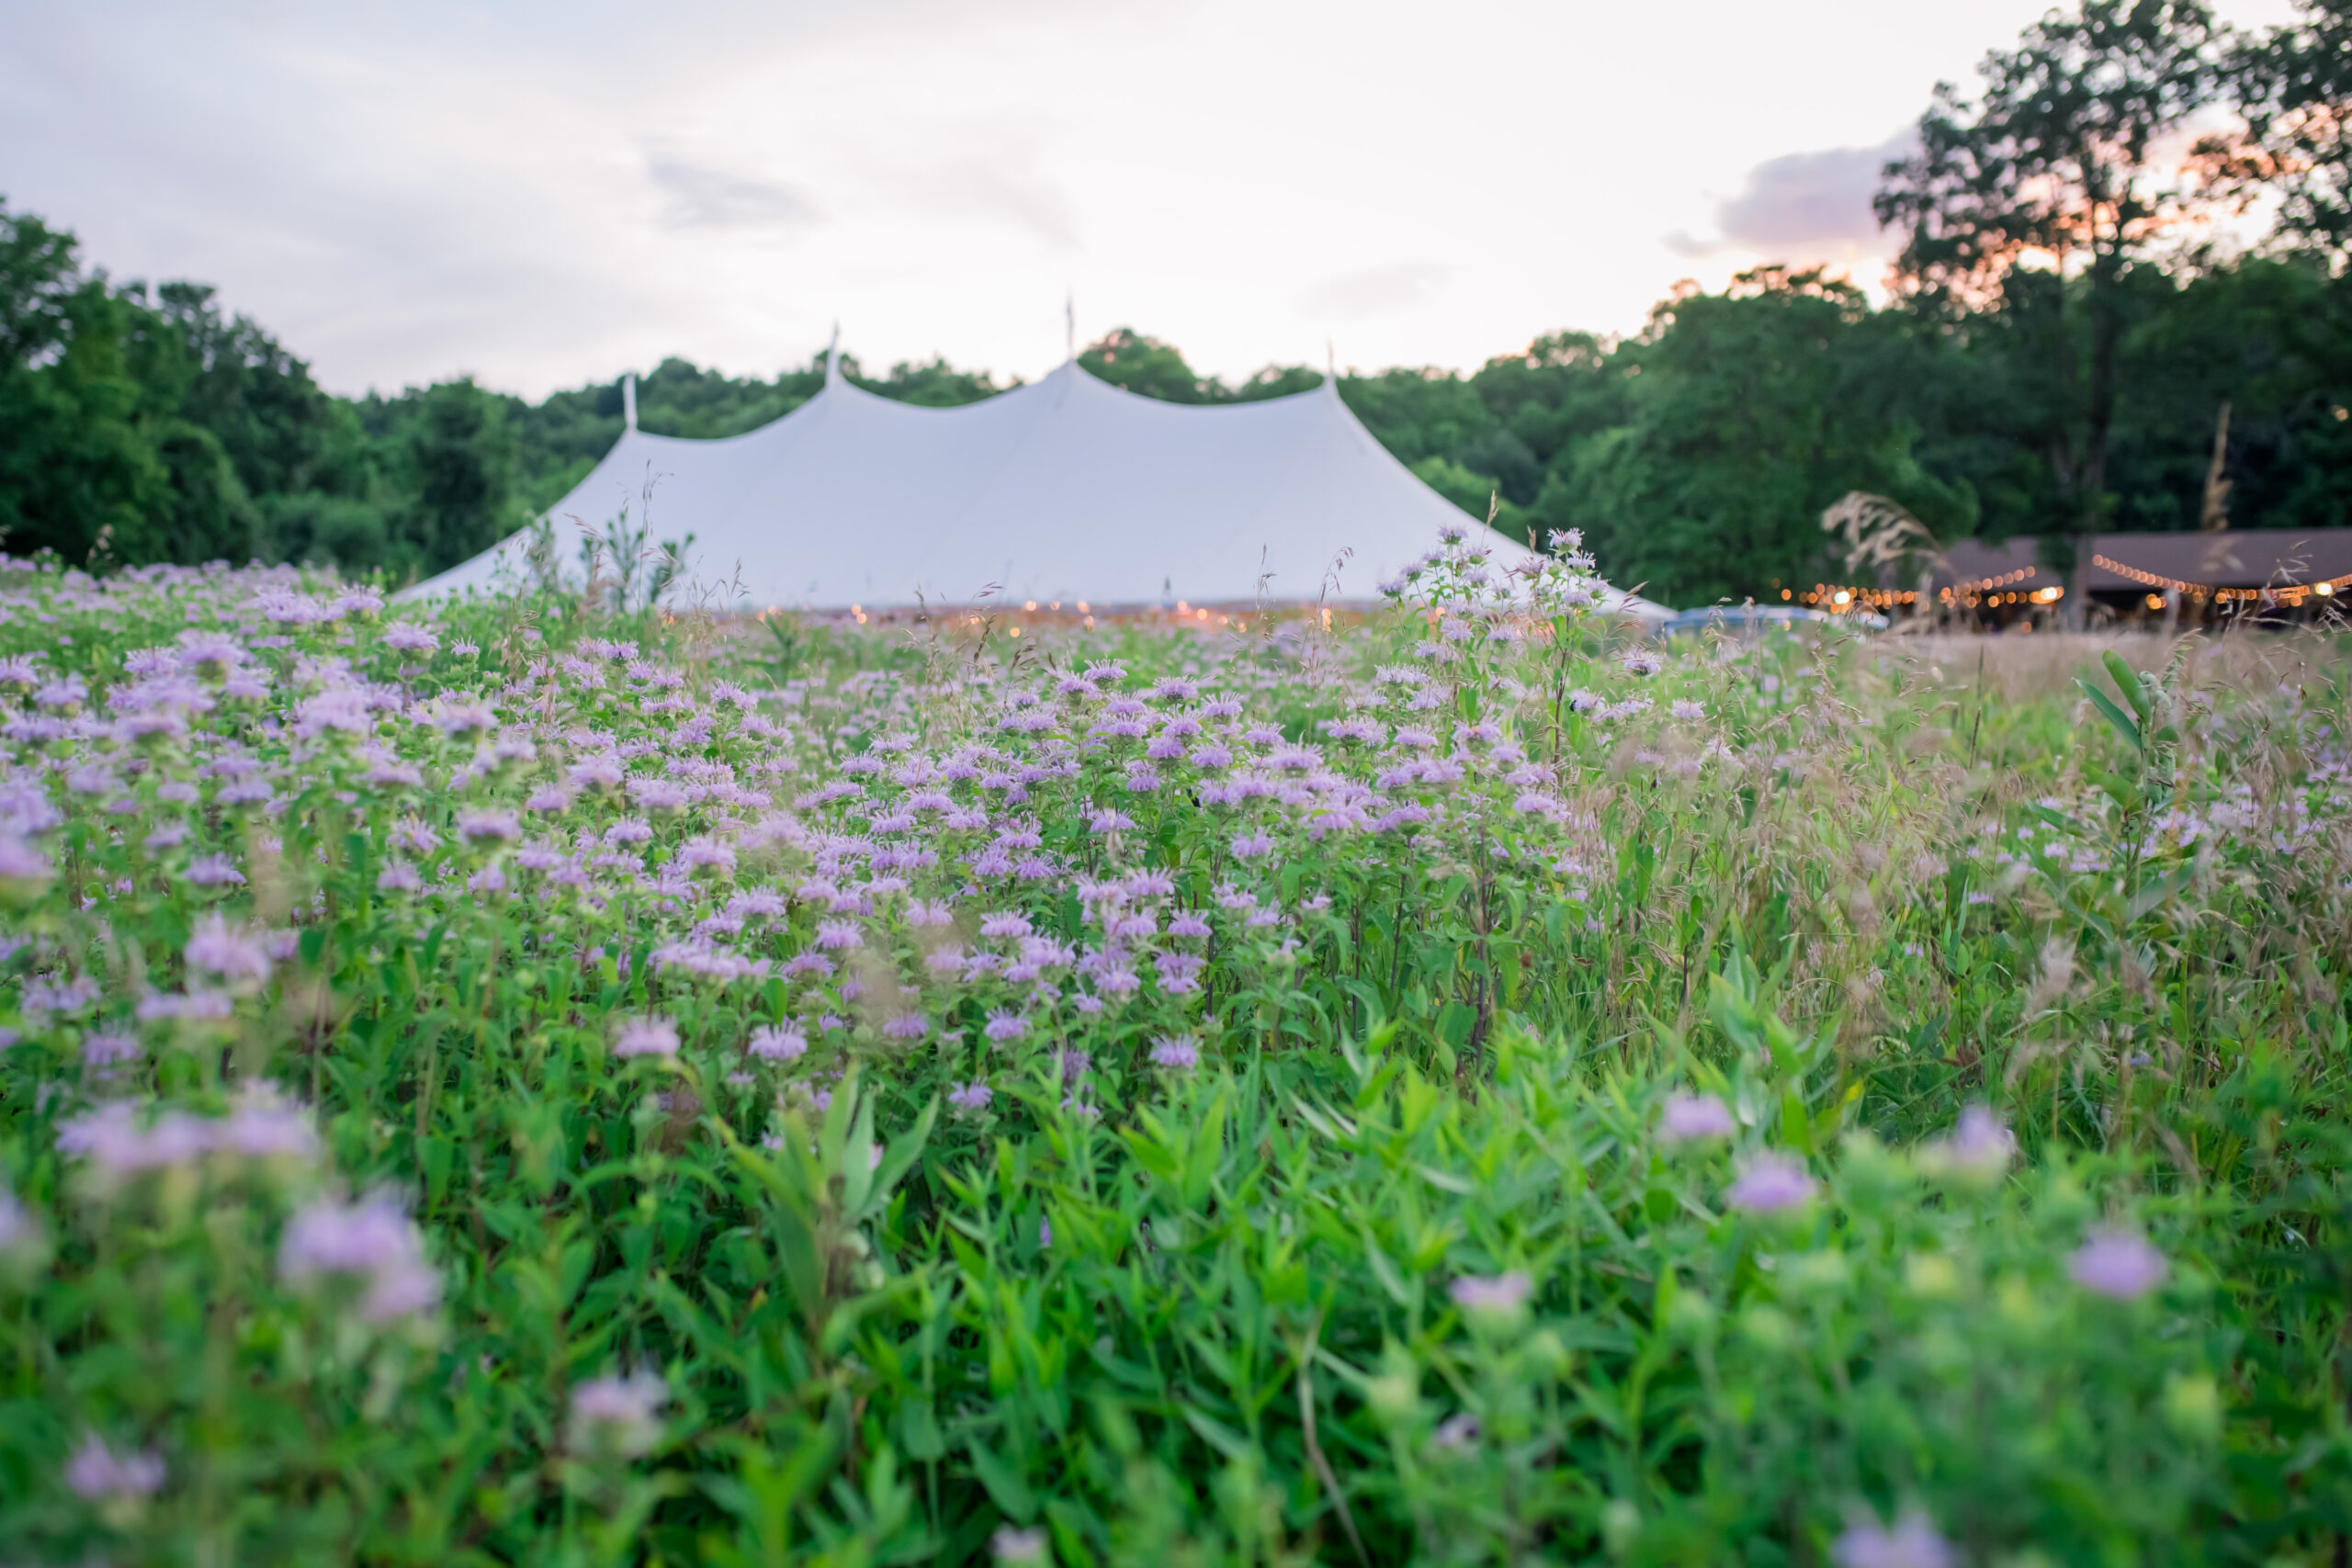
{"x":618,"y":1417}
{"x":24,"y":870}
{"x":1502,"y":1295}
{"x":975,"y":1096}
{"x":1017,"y":1546}
{"x":1005,"y":1025}
{"x":1689,"y":1118}
{"x":265,"y":1127}
{"x":2118,"y":1264}
{"x":1979,"y":1149}
{"x":596,"y":773}
{"x":408,"y":637}
{"x":194,"y":1005}
{"x":907,"y":1026}
{"x":111,"y":1139}
{"x":488,"y":828}
{"x":1180,"y":1052}
{"x":232,"y":953}
{"x":463,"y":720}
{"x":373,"y":1241}
{"x":1769,"y":1183}
{"x":647,"y":1037}
{"x":110,"y":1050}
{"x":58,"y":996}
{"x":772,"y":1043}
{"x":1912,"y":1544}
{"x":215,"y":871}
{"x":658,"y":795}
{"x":99,"y":1474}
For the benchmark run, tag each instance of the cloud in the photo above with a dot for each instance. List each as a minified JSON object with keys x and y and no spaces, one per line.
{"x":1803,"y":207}
{"x":1375,"y":291}
{"x":705,"y":197}
{"x":546,"y":194}
{"x":992,"y":180}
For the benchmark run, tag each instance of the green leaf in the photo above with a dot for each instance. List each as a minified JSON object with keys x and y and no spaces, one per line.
{"x":1385,"y":1271}
{"x":1206,"y":1152}
{"x":2115,"y":715}
{"x":2121,"y":790}
{"x":2127,"y":681}
{"x":919,"y":1432}
{"x":1005,"y":1487}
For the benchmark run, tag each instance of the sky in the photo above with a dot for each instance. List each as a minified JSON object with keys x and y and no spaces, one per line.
{"x":543,"y":195}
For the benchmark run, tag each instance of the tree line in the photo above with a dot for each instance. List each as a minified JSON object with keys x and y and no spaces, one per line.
{"x":2085,"y":332}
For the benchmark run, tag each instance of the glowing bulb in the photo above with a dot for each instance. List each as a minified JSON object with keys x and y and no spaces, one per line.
{"x":1841,"y":597}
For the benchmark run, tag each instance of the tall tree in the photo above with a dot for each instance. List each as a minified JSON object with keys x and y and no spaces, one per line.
{"x":460,"y":468}
{"x":2293,"y":86}
{"x":75,"y":466}
{"x":2056,"y":167}
{"x":1746,"y":414}
{"x":1146,"y":366}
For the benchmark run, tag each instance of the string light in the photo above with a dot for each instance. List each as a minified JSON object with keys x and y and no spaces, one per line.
{"x":2285,"y":593}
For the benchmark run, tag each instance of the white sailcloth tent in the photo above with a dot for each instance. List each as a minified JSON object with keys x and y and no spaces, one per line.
{"x":1069,"y":488}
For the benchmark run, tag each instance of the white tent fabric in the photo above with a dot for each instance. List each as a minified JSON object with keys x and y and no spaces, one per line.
{"x":1066,"y":489}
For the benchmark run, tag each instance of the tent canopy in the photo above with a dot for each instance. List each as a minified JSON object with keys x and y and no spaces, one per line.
{"x":1068,"y":488}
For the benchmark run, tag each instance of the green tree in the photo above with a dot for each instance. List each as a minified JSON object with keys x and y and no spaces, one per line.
{"x":2293,"y":86}
{"x":934,"y":384}
{"x":75,"y":464}
{"x":1746,"y":413}
{"x":1144,"y":366}
{"x":2270,"y":341}
{"x":457,"y":459}
{"x":1278,"y":382}
{"x":2054,"y":167}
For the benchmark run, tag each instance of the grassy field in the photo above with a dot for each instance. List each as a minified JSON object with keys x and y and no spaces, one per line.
{"x":519,"y":1084}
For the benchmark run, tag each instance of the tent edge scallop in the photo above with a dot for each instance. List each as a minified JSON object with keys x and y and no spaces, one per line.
{"x":976,"y":482}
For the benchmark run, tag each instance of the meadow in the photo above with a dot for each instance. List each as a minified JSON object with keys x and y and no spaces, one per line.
{"x":517,"y":1082}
